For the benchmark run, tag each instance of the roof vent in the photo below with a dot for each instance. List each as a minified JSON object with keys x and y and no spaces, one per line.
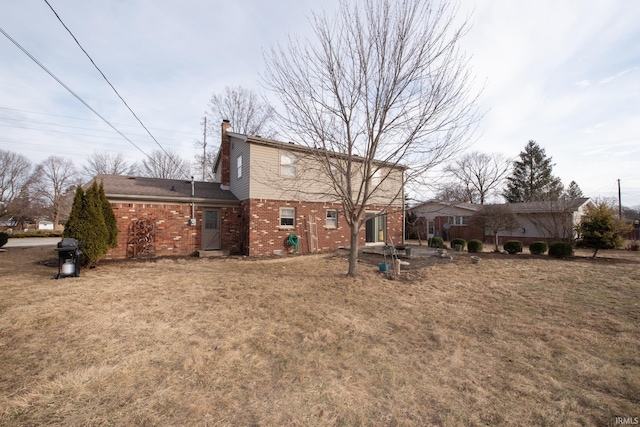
{"x":173,"y":188}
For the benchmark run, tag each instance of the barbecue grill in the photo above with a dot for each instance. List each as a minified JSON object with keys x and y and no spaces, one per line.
{"x":69,"y":259}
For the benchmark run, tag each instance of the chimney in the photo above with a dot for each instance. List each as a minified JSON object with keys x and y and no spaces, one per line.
{"x":225,"y":158}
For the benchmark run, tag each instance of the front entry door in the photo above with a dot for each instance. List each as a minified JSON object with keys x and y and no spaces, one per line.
{"x":211,"y":229}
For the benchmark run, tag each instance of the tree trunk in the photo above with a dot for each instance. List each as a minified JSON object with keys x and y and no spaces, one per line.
{"x":353,"y":251}
{"x":495,"y":236}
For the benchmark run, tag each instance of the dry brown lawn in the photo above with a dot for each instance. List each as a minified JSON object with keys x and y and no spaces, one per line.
{"x":513,"y":340}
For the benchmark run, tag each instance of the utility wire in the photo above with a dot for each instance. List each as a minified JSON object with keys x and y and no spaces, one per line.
{"x":26,"y":52}
{"x":114,"y":89}
{"x":91,"y":120}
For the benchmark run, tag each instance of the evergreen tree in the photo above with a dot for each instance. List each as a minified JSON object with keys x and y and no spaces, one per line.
{"x":532,"y":178}
{"x":573,"y":191}
{"x":599,"y":229}
{"x":86,"y":224}
{"x":95,"y":234}
{"x":109,"y":218}
{"x":71,"y":227}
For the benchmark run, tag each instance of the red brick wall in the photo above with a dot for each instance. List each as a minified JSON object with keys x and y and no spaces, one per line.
{"x":173,"y":234}
{"x":225,"y":151}
{"x":266,"y":236}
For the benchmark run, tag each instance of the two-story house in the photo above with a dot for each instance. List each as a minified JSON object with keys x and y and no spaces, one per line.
{"x":267,"y":196}
{"x":285,"y":189}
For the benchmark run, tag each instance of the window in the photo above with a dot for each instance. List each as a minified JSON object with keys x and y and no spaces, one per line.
{"x":287,"y":217}
{"x":287,"y":164}
{"x":332,"y":218}
{"x":239,"y":165}
{"x":458,"y":220}
{"x":376,"y":178}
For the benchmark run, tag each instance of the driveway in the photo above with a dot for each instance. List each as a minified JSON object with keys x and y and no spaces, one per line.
{"x":32,"y":241}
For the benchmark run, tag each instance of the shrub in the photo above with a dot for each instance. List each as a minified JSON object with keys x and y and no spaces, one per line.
{"x":474,"y":246}
{"x":538,"y":248}
{"x":560,"y":250}
{"x":513,"y":246}
{"x":458,"y":241}
{"x":632,"y":246}
{"x":436,"y":242}
{"x":4,"y":238}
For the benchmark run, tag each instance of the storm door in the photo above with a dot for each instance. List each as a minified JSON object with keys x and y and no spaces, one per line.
{"x":211,"y":229}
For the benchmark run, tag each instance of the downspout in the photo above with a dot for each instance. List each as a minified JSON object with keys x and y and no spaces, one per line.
{"x":404,"y":213}
{"x":192,"y":221}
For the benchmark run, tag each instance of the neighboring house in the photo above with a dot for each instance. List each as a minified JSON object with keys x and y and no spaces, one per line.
{"x":548,"y":221}
{"x":266,"y":192}
{"x":45,"y":225}
{"x":8,"y":223}
{"x":538,"y":221}
{"x":448,"y":220}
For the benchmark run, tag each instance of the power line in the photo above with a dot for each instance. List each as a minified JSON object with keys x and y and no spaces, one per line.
{"x":91,"y":120}
{"x":26,"y":52}
{"x":114,"y":89}
{"x":68,"y":126}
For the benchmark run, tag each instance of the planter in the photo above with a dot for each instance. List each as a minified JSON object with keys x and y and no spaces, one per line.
{"x":383,"y":267}
{"x":458,"y":248}
{"x":408,"y":251}
{"x":475,"y":259}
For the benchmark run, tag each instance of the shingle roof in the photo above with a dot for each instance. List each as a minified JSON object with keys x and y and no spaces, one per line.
{"x":131,"y":187}
{"x":549,"y":206}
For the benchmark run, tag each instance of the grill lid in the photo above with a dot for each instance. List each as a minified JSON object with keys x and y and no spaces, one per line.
{"x":67,"y":244}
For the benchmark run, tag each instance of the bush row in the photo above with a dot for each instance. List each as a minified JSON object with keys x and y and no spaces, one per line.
{"x":556,"y":249}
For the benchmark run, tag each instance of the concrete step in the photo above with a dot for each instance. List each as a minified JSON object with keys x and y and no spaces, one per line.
{"x":212,"y":253}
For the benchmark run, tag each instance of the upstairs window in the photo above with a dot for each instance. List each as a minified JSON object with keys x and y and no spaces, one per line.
{"x":239,"y":166}
{"x":287,"y":164}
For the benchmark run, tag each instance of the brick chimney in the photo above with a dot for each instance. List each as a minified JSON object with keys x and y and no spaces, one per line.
{"x":225,"y":155}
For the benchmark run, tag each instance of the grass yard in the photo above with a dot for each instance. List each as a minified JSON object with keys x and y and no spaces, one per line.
{"x":514,"y":340}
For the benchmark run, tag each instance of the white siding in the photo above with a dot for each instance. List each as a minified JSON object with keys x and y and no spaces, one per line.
{"x":311,"y":183}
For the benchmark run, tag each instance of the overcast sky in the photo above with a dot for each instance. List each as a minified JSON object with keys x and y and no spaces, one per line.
{"x":563,"y":73}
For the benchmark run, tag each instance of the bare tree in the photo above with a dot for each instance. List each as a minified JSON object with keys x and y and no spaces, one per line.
{"x":384,"y":85}
{"x":52,"y":180}
{"x":555,"y":218}
{"x":480,"y":174}
{"x":454,"y":192}
{"x":165,"y":165}
{"x":102,"y":163}
{"x":497,"y":218}
{"x":248,"y":114}
{"x":15,"y":170}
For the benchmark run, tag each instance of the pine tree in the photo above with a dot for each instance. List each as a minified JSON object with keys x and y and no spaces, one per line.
{"x":573,"y":191}
{"x":109,"y":218}
{"x":95,"y":235}
{"x":532,"y":178}
{"x":86,"y":224}
{"x":72,"y":225}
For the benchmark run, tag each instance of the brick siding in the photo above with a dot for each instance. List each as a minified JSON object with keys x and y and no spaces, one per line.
{"x":173,"y":234}
{"x":265,"y":236}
